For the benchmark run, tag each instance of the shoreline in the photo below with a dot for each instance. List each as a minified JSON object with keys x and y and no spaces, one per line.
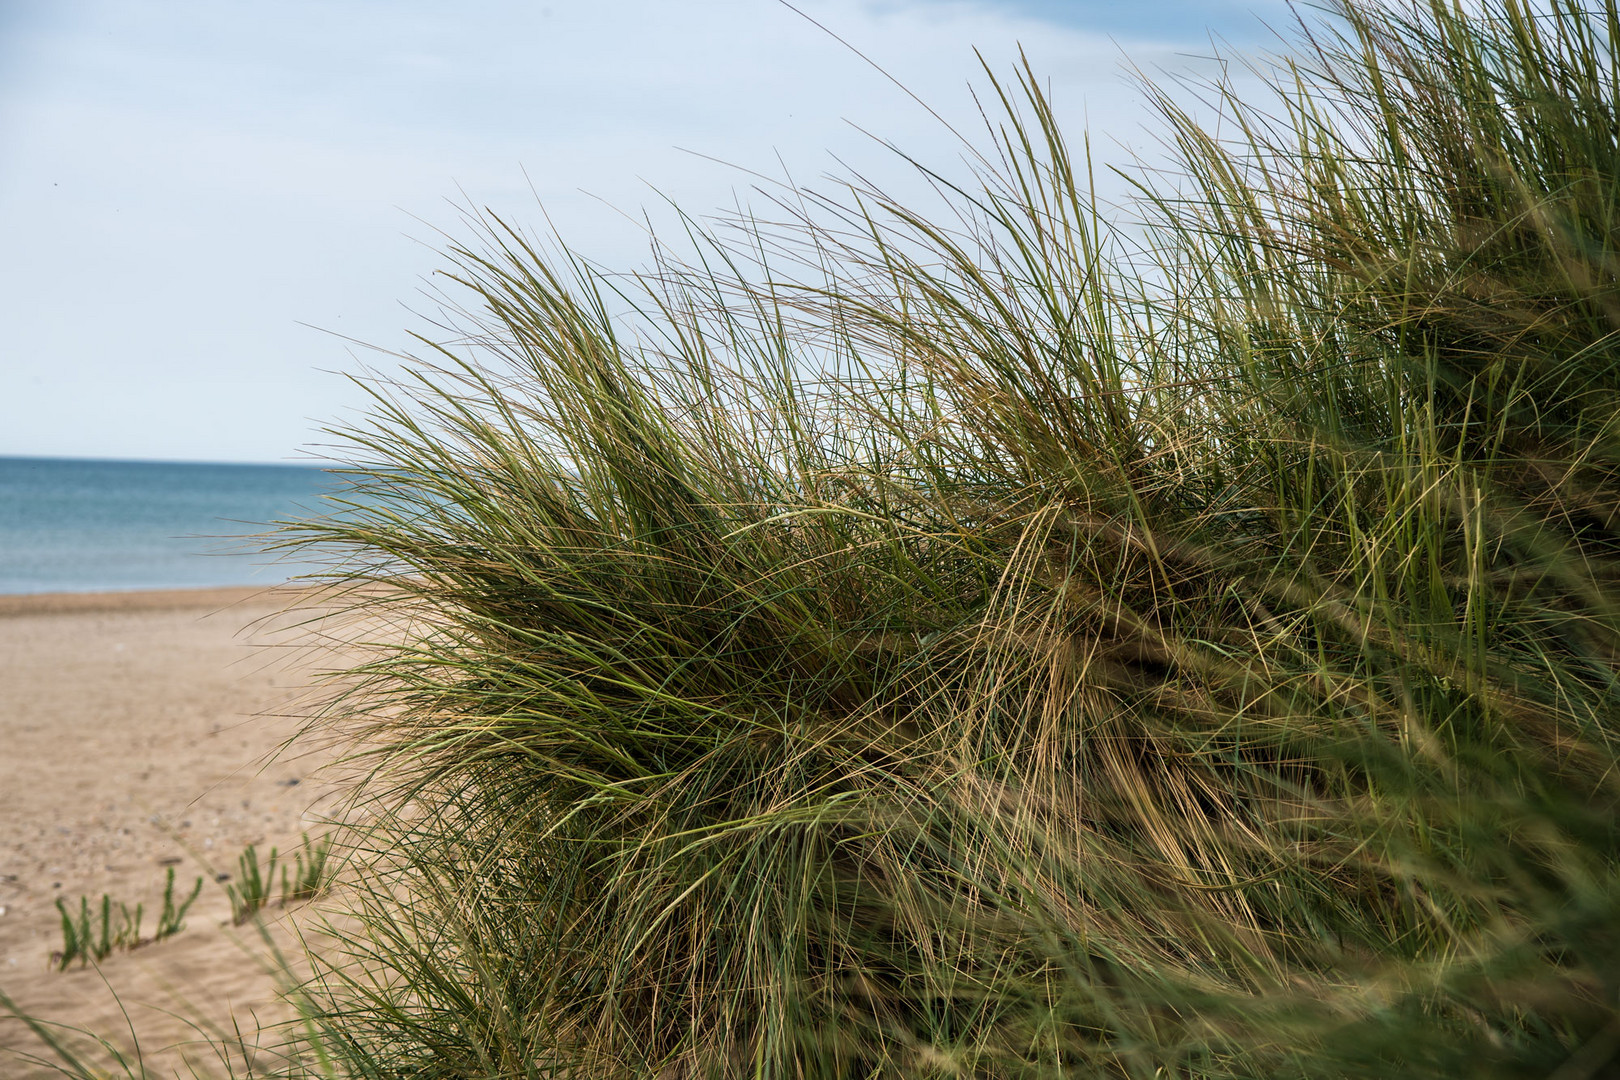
{"x":214,"y":597}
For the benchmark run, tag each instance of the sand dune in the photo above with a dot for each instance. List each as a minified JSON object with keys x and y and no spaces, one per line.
{"x":142,"y":731}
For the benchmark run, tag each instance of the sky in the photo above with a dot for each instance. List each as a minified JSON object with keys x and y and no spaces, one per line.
{"x":204,"y":204}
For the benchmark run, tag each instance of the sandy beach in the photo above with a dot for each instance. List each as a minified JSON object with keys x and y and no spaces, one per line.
{"x":143,"y":731}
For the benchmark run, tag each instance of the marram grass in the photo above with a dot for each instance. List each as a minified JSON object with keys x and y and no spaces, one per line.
{"x":987,"y":646}
{"x":994,"y":643}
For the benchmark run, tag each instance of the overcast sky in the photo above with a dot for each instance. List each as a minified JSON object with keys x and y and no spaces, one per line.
{"x":185,"y":184}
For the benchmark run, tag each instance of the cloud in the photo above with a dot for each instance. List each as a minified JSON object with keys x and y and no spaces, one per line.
{"x":185,"y":181}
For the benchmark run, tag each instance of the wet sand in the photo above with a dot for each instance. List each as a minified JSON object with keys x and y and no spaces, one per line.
{"x":140,"y":731}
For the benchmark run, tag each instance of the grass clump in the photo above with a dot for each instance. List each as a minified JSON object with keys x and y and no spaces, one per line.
{"x":172,"y":919}
{"x":995,"y":643}
{"x":309,"y":875}
{"x":88,"y":937}
{"x":255,"y":884}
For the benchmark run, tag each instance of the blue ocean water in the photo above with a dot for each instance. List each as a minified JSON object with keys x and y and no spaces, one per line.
{"x":78,"y":526}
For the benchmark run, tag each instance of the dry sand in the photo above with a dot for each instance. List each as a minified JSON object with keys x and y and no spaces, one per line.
{"x":140,"y":731}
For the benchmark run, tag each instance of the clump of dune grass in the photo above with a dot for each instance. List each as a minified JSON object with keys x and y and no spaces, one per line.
{"x":999,"y":643}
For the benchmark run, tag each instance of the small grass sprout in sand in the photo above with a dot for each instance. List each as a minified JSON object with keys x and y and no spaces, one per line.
{"x":255,"y":885}
{"x":172,"y":919}
{"x":310,"y":874}
{"x":87,"y":937}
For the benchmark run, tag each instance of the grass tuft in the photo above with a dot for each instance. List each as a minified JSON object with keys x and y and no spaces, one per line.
{"x":1005,"y":644}
{"x":172,"y":919}
{"x":254,"y":885}
{"x":89,"y":938}
{"x":310,"y":875}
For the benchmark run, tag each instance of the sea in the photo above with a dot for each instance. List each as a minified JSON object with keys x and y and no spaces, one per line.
{"x":91,"y":526}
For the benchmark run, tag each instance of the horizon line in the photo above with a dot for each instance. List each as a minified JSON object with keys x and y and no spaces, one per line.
{"x":105,"y":460}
